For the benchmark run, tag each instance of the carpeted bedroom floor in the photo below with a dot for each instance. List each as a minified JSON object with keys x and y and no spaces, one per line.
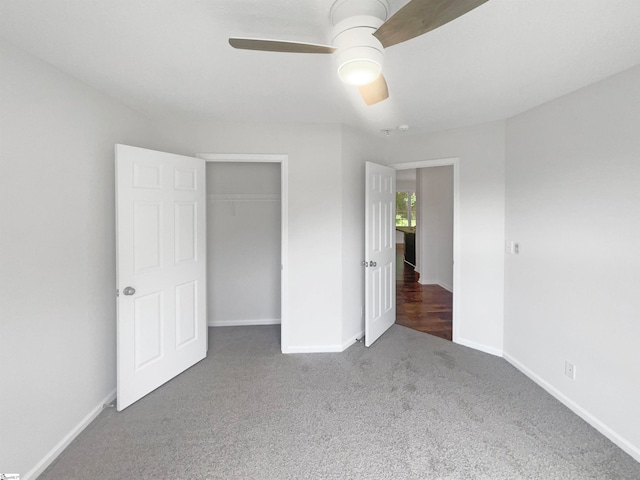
{"x":412,"y":406}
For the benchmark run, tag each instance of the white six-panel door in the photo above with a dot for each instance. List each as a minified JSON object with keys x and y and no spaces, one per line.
{"x":380,"y":250}
{"x":161,"y":276}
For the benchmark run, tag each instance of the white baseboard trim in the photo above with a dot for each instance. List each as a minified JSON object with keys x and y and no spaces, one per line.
{"x":68,"y":438}
{"x":325,"y":348}
{"x":478,"y":346}
{"x":351,"y":340}
{"x":240,"y":323}
{"x":314,"y":349}
{"x":596,"y":423}
{"x":448,"y":288}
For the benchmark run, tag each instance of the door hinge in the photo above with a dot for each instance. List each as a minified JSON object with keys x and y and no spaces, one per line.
{"x":117,"y":292}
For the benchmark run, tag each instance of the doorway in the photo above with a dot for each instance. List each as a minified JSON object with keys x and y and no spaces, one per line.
{"x":247,"y":240}
{"x":426,"y":247}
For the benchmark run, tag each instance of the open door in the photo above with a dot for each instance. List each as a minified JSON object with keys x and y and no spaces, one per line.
{"x":161,"y":268}
{"x":380,"y":251}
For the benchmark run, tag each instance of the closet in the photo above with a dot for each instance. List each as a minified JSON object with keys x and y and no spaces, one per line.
{"x":243,"y":243}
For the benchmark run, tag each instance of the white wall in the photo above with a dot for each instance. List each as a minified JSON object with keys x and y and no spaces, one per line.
{"x":243,"y":243}
{"x":406,"y":180}
{"x":57,"y":254}
{"x":315,"y":213}
{"x":573,"y":204}
{"x":434,"y":238}
{"x":480,"y":300}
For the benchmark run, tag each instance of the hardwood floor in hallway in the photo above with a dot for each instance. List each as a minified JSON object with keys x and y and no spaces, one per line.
{"x":426,"y":308}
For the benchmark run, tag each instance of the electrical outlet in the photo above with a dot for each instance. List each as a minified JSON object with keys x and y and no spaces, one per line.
{"x":516,"y":248}
{"x":570,"y":370}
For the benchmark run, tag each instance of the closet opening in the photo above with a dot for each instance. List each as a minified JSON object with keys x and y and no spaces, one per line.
{"x":246,"y":241}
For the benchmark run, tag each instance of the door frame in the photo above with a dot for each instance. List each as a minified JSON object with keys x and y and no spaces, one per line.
{"x":445,"y":162}
{"x":283,"y":160}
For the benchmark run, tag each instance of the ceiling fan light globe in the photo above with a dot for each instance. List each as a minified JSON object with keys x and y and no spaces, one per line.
{"x":359,"y":72}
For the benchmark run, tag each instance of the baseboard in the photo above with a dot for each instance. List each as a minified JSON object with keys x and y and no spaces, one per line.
{"x":478,"y":346}
{"x":315,"y":349}
{"x":447,"y":287}
{"x":68,"y":438}
{"x":592,"y":420}
{"x":241,"y":323}
{"x":325,"y":348}
{"x":351,"y":340}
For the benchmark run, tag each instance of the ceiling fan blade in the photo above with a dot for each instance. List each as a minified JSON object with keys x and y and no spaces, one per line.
{"x":279,"y":46}
{"x":375,"y":91}
{"x":422,"y":16}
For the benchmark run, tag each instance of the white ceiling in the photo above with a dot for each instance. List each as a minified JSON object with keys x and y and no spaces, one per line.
{"x":171,"y":57}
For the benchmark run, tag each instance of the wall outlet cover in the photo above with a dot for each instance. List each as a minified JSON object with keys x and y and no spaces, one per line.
{"x":570,"y":370}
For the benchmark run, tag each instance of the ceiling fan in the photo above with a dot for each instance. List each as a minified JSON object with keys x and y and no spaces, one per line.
{"x":361,"y":32}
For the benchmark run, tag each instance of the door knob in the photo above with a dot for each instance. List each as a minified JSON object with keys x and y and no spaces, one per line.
{"x":129,"y":291}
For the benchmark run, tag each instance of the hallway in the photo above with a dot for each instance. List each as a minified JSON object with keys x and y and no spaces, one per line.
{"x":426,"y":308}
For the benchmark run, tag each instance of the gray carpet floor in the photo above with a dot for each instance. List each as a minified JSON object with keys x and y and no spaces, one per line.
{"x":412,"y":406}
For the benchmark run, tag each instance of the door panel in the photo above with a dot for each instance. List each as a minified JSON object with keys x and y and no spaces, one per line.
{"x":186,"y":317}
{"x":147,"y":235}
{"x":186,"y":231}
{"x":380,"y":286}
{"x":162,"y":328}
{"x":147,"y":317}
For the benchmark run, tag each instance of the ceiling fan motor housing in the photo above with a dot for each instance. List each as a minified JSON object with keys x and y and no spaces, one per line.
{"x":359,"y":54}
